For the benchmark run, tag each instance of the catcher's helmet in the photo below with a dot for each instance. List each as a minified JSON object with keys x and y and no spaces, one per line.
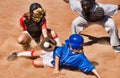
{"x":76,"y":41}
{"x":36,"y":12}
{"x":34,"y":6}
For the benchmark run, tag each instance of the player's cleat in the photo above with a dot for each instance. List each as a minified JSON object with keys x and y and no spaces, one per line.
{"x":12,"y":57}
{"x":116,"y":49}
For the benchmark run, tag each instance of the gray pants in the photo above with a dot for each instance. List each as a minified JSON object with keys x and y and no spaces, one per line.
{"x":79,"y":24}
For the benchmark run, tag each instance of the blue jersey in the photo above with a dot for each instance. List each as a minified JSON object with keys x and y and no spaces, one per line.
{"x":72,"y":60}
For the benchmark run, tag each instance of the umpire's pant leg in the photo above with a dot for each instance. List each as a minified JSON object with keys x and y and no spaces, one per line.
{"x":111,"y":28}
{"x":78,"y":25}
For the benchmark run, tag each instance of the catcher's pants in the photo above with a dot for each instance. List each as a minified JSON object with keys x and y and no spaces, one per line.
{"x":107,"y":22}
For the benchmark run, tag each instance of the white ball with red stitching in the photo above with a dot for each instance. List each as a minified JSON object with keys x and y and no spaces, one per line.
{"x":46,"y":44}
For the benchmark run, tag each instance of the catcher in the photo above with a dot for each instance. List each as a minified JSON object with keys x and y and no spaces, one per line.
{"x":34,"y":27}
{"x":91,"y":12}
{"x":70,"y":55}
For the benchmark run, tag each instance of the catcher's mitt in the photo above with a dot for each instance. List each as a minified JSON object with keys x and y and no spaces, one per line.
{"x":48,"y":44}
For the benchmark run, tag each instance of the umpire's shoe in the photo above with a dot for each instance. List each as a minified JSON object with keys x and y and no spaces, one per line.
{"x":12,"y":57}
{"x":116,"y":49}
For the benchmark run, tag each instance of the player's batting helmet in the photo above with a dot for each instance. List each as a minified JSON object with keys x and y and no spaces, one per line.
{"x":76,"y":41}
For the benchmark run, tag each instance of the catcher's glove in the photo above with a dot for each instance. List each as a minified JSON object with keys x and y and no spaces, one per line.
{"x":48,"y":44}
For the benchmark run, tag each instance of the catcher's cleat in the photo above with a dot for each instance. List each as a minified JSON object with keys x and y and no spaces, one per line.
{"x":12,"y":57}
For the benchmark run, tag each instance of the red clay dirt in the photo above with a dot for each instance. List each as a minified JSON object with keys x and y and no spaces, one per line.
{"x":59,"y":18}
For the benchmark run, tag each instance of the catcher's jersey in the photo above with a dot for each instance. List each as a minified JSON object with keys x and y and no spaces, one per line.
{"x":109,"y":9}
{"x":73,"y":60}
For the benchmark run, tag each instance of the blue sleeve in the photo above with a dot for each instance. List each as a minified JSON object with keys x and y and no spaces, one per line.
{"x":58,"y":52}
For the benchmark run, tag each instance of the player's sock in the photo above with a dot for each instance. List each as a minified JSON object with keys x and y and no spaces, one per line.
{"x":26,"y":53}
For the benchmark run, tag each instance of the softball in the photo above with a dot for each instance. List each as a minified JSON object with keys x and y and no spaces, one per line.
{"x":46,"y":44}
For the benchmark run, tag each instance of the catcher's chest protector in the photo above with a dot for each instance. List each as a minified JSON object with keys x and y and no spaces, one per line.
{"x":34,"y":29}
{"x":95,"y":16}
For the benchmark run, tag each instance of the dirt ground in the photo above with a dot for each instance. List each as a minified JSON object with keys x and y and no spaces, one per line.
{"x":59,"y":18}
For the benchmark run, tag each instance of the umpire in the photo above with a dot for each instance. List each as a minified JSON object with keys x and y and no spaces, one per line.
{"x":91,"y":12}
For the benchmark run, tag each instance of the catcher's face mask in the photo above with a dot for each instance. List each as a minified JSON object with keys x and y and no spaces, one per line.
{"x":87,"y":4}
{"x":38,"y":14}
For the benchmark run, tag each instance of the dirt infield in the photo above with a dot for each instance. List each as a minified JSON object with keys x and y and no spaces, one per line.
{"x":59,"y":18}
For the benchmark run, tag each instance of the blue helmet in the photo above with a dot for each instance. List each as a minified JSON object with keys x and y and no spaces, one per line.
{"x":76,"y":41}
